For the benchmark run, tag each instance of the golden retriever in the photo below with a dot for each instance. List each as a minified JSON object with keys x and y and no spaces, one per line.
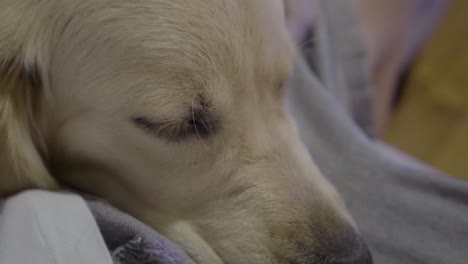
{"x":172,"y":110}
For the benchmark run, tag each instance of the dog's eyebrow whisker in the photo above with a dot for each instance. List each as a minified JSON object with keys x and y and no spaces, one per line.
{"x":205,"y":121}
{"x":194,"y":120}
{"x":206,"y":124}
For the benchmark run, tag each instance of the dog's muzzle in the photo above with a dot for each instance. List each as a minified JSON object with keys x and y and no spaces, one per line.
{"x":349,"y":249}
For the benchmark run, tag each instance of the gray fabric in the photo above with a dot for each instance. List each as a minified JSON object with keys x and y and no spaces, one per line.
{"x":130,"y":241}
{"x":340,"y":60}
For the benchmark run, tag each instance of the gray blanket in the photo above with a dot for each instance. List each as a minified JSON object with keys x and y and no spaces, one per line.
{"x":407,"y":212}
{"x":130,"y":241}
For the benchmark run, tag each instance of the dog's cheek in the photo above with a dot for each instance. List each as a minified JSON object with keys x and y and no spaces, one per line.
{"x":160,"y":173}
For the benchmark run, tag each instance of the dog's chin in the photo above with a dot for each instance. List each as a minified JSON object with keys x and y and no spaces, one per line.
{"x":190,"y":240}
{"x":201,"y":246}
{"x":200,"y":251}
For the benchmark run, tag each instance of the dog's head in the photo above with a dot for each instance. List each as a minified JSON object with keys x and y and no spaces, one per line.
{"x":173,"y":110}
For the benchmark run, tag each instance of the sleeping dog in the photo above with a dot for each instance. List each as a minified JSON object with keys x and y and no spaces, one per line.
{"x":173,"y":111}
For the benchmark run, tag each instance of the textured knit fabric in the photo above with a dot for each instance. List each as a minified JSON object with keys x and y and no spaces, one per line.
{"x":131,"y":242}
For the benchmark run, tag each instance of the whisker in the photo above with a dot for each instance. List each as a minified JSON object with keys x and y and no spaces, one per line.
{"x":205,"y":122}
{"x":194,"y":120}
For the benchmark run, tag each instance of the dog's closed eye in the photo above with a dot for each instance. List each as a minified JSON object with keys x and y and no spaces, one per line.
{"x":199,"y":123}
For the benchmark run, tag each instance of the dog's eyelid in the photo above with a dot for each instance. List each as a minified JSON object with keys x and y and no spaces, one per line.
{"x":145,"y":123}
{"x":197,"y":125}
{"x":199,"y":122}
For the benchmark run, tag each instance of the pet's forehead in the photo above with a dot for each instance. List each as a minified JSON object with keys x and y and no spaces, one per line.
{"x":151,"y":53}
{"x":206,"y":36}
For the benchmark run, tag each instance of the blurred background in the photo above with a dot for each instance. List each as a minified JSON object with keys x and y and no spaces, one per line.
{"x":418,"y":52}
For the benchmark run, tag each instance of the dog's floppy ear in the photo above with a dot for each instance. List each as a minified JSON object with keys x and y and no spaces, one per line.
{"x":300,"y":17}
{"x":21,"y":158}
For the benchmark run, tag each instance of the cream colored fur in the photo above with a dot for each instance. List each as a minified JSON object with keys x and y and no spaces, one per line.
{"x":78,"y":77}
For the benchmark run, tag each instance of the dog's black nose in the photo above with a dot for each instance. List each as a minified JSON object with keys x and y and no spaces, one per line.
{"x":348,"y":248}
{"x":362,"y":257}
